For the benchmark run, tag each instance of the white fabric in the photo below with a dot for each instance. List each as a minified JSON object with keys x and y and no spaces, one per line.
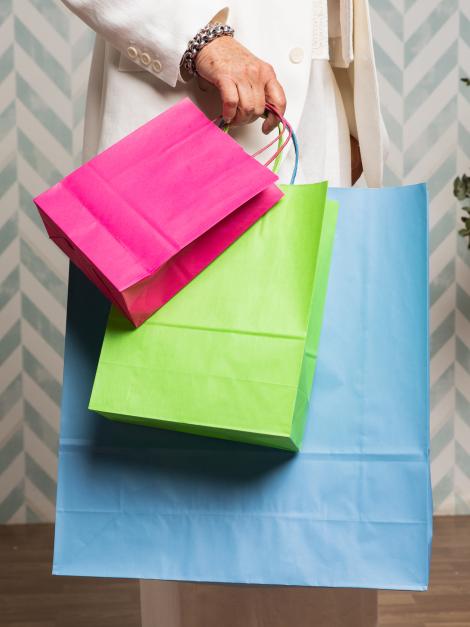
{"x":323,"y":133}
{"x":120,"y":100}
{"x":340,"y":20}
{"x":160,"y":28}
{"x":320,"y":49}
{"x":134,"y":76}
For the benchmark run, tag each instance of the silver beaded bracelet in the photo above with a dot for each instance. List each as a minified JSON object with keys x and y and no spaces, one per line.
{"x":203,"y":37}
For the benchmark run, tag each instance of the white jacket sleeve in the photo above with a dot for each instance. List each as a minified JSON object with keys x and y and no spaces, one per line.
{"x":152,"y":33}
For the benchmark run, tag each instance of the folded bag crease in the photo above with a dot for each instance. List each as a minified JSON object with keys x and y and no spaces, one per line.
{"x":349,"y":510}
{"x":173,"y":245}
{"x":150,"y":212}
{"x":206,"y":342}
{"x":285,"y":336}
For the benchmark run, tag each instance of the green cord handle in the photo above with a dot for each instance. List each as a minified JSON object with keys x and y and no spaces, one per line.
{"x":279,"y":156}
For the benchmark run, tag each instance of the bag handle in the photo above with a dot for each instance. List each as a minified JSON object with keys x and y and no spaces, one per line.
{"x":282,"y":121}
{"x":281,"y":143}
{"x":281,"y":147}
{"x":296,"y":159}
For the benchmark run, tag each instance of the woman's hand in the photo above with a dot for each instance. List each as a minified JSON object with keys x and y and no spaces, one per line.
{"x":356,"y":160}
{"x":245,"y":83}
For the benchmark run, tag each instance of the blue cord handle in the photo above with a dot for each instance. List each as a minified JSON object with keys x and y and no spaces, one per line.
{"x":224,"y":126}
{"x":296,"y":162}
{"x":296,"y":159}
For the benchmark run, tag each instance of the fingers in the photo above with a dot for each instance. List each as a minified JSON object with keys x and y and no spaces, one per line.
{"x":246,"y":104}
{"x":259,"y":100}
{"x":251,"y":105}
{"x":270,"y":123}
{"x":229,"y":96}
{"x":276,"y":96}
{"x":244,"y":81}
{"x":244,"y":97}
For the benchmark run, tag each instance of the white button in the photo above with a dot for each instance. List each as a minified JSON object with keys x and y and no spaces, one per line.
{"x":132,"y":52}
{"x":145,"y":58}
{"x":296,"y":55}
{"x":156,"y":66}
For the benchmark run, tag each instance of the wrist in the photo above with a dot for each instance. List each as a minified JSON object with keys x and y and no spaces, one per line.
{"x":205,"y":36}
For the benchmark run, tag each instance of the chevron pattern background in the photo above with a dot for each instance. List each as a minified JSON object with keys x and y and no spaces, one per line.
{"x":44,"y":62}
{"x":422,"y":49}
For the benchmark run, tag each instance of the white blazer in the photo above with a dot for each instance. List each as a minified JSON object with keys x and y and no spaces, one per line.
{"x":136,"y":61}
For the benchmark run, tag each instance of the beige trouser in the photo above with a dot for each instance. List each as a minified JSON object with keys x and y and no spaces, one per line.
{"x":168,"y":604}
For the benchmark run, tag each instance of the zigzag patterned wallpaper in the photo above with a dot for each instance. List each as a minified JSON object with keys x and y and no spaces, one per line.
{"x":422,"y":48}
{"x":422,"y":51}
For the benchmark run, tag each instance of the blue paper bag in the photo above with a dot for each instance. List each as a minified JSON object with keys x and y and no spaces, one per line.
{"x":352,"y":509}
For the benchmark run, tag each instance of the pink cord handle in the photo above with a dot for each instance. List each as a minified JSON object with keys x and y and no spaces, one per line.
{"x":285,"y":124}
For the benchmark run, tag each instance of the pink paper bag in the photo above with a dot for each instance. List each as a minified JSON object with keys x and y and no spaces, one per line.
{"x":144,"y":217}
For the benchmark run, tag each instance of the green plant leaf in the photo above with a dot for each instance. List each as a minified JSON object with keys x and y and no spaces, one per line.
{"x":460,"y":188}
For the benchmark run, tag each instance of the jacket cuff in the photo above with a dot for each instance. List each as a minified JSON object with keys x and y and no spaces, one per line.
{"x":160,"y":52}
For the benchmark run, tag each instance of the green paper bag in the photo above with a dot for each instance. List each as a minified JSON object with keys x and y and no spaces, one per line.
{"x":233,"y":354}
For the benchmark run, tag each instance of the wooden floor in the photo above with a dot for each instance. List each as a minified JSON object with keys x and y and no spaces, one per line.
{"x":31,"y":597}
{"x":447,"y":602}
